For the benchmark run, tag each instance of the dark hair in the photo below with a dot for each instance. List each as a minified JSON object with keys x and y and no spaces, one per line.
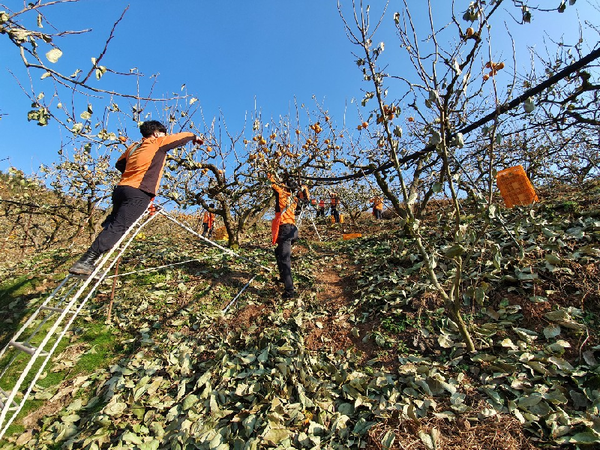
{"x":212,"y":205}
{"x":148,"y":128}
{"x":292,"y":185}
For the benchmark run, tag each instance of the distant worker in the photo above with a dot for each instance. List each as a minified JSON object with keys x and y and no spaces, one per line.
{"x":303,"y":198}
{"x":208,"y":222}
{"x":334,"y":203}
{"x":321,"y":210}
{"x":377,"y":204}
{"x":142,"y":167}
{"x":286,"y":232}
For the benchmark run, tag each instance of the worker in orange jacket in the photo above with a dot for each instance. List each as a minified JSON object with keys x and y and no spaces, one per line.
{"x":321,"y":210}
{"x":141,"y":166}
{"x":377,"y":204}
{"x":285,"y":207}
{"x":208,"y":222}
{"x":303,"y":199}
{"x":334,"y":203}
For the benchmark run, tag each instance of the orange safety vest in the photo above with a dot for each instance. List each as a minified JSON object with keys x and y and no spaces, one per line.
{"x":282,"y":197}
{"x":284,"y":212}
{"x":304,"y":194}
{"x":209,"y":218}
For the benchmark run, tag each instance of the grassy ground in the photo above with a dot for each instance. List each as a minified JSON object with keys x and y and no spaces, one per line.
{"x":366,"y":357}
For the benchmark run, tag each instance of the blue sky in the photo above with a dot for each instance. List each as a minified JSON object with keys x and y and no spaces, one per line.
{"x":231,"y":55}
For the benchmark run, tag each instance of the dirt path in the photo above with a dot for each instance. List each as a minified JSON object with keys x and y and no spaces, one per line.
{"x":333,"y":303}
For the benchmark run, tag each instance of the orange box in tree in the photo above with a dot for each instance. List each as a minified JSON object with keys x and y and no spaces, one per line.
{"x":515,"y":187}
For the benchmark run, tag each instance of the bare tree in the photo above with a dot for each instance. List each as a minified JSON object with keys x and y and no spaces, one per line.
{"x":453,"y":72}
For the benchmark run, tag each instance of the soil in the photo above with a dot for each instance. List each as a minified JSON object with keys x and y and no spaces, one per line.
{"x":63,"y":396}
{"x":333,"y":332}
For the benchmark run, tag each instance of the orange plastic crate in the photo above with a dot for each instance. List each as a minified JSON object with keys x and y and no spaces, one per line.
{"x":515,"y":187}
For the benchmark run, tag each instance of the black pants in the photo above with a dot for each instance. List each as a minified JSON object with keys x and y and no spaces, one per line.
{"x":378,"y":213}
{"x":288,"y":234}
{"x":206,"y":231}
{"x":129,"y":203}
{"x":335,"y":214}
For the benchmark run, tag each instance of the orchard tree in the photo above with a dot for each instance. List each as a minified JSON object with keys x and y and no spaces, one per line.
{"x":78,"y":99}
{"x":565,"y":116}
{"x":56,"y":94}
{"x":35,"y":218}
{"x":453,"y":72}
{"x":230,"y":170}
{"x":82,"y":182}
{"x":213,"y":174}
{"x":437,"y":92}
{"x":553,"y":133}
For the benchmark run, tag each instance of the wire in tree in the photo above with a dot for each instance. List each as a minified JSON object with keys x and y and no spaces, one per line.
{"x":499,"y":111}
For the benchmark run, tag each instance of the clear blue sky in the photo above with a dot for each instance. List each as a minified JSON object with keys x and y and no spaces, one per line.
{"x":228,"y":54}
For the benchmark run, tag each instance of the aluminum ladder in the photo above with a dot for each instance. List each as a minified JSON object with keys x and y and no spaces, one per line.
{"x":34,"y":344}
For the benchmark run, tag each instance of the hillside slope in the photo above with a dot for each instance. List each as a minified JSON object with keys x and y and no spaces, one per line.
{"x":366,"y":357}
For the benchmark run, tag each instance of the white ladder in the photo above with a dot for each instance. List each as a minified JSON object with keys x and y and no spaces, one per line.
{"x":299,"y":221}
{"x":37,"y":340}
{"x":65,"y":304}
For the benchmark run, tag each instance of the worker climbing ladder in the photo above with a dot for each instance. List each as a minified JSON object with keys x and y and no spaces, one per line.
{"x":36,"y":341}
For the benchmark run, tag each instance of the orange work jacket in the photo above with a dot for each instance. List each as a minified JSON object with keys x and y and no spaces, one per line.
{"x":285,"y":203}
{"x":142,"y":163}
{"x":209,"y":218}
{"x":304,"y":194}
{"x":377,"y":203}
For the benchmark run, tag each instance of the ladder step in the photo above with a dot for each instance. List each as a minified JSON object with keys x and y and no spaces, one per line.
{"x":3,"y":397}
{"x":52,"y":308}
{"x":26,"y":348}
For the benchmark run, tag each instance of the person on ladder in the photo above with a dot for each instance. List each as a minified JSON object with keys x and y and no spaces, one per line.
{"x":141,"y":166}
{"x":285,"y":231}
{"x":303,"y":199}
{"x":208,"y":222}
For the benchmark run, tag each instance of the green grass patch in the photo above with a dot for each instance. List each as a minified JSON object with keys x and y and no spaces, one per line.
{"x":12,"y":289}
{"x":104,"y":345}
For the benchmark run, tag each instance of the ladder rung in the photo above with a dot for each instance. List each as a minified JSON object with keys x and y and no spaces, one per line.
{"x":25,"y":348}
{"x":52,"y":308}
{"x":3,"y":397}
{"x":11,"y":408}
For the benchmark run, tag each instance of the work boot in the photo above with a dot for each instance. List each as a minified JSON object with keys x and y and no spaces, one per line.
{"x":289,"y":295}
{"x":85,"y":264}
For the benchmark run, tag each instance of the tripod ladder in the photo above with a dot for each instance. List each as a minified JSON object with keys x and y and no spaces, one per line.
{"x":32,"y":346}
